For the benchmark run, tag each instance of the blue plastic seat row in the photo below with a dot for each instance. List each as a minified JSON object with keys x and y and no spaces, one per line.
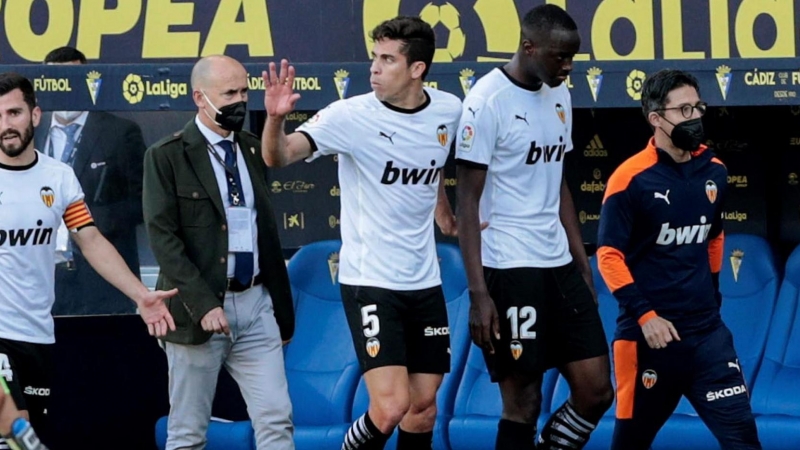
{"x":328,"y":393}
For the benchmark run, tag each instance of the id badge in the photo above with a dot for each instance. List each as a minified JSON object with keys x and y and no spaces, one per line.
{"x":240,"y":230}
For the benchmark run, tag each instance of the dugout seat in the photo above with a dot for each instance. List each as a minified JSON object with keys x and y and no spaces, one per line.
{"x":478,"y":405}
{"x":609,"y":310}
{"x":454,"y":285}
{"x":221,"y":435}
{"x":775,"y":394}
{"x":748,"y":301}
{"x":321,"y":364}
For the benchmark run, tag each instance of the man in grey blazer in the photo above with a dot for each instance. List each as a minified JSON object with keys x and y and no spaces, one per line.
{"x":213,"y":233}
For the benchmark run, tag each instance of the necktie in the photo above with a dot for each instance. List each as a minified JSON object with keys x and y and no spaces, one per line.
{"x":243,"y":268}
{"x":68,"y":156}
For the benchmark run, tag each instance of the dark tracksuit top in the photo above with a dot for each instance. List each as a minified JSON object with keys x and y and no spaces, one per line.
{"x":660,"y":240}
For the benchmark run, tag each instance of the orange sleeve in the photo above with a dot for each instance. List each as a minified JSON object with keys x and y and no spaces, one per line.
{"x":614,"y":233}
{"x":77,"y":215}
{"x":715,"y":250}
{"x":611,"y":263}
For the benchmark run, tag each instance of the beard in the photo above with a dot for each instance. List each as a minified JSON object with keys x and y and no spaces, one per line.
{"x":13,"y":151}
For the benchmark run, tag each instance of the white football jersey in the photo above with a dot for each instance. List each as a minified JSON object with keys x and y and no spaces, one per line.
{"x":389,"y":161}
{"x":520,"y":136}
{"x":33,"y":202}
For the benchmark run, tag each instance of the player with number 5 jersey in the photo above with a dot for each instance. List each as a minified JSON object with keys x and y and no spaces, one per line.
{"x":392,"y":144}
{"x":532,"y":300}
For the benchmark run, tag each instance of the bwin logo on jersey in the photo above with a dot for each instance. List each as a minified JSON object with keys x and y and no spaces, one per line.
{"x":550,"y":152}
{"x":690,"y":234}
{"x":26,"y":236}
{"x":405,"y":175}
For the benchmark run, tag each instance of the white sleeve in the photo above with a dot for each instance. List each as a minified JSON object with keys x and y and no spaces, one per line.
{"x":477,"y":132}
{"x":327,"y":130}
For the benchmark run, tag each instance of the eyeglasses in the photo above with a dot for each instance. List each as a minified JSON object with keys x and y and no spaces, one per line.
{"x":688,"y":110}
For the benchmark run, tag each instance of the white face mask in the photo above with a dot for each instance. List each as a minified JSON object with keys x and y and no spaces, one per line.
{"x":67,"y":116}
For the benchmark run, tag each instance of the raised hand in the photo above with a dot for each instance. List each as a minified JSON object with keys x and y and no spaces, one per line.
{"x":279,"y":95}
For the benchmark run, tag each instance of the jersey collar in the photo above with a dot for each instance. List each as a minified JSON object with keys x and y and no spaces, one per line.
{"x":700,"y":154}
{"x":413,"y":110}
{"x":520,"y":84}
{"x":21,"y":168}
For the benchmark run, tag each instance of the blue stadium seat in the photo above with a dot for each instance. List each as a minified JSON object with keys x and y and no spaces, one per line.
{"x":775,"y":395}
{"x":478,"y":405}
{"x":748,"y":303}
{"x":477,"y":409}
{"x":454,"y":285}
{"x":321,"y":364}
{"x":609,"y":310}
{"x":221,"y":435}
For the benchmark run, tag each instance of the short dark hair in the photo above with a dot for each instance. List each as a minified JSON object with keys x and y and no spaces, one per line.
{"x":65,"y":55}
{"x":12,"y":80}
{"x":657,"y":87}
{"x":419,"y":40}
{"x":548,"y":18}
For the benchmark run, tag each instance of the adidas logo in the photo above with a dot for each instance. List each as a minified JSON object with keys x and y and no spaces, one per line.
{"x":595,"y":149}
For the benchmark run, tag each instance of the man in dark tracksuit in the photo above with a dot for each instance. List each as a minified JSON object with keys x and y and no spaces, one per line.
{"x":660,"y":248}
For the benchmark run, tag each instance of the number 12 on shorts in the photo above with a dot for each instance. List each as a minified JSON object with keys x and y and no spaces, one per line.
{"x":523,"y":331}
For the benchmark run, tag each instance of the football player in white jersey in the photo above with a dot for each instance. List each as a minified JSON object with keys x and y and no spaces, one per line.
{"x":39,"y":192}
{"x":392,"y":144}
{"x":532,"y":300}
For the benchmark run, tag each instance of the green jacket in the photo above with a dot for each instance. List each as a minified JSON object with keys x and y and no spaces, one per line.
{"x":186,"y":224}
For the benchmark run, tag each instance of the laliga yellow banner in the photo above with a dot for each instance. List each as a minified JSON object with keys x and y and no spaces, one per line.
{"x":468,"y":30}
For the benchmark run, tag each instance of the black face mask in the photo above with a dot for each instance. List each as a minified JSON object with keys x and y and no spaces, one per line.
{"x":687,"y":135}
{"x":229,"y":117}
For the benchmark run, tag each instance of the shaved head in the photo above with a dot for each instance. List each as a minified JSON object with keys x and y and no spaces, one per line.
{"x":211,"y":70}
{"x":217,"y":81}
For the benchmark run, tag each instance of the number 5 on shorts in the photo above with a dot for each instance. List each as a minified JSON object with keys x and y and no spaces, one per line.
{"x":370,"y":321}
{"x":524,"y":331}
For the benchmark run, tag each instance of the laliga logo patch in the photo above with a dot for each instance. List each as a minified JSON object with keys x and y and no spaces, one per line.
{"x":562,"y":114}
{"x":48,"y":196}
{"x":467,"y":133}
{"x":441,"y":134}
{"x":314,"y":119}
{"x":711,"y":191}
{"x":649,"y":378}
{"x":516,"y":349}
{"x":373,"y":347}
